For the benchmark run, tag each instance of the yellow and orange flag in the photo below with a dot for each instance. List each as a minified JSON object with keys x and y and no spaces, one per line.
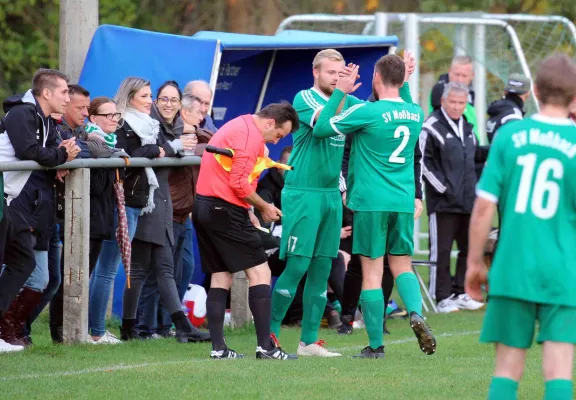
{"x":224,"y":158}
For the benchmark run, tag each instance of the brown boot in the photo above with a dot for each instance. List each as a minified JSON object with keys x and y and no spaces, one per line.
{"x":30,"y":300}
{"x":8,"y":321}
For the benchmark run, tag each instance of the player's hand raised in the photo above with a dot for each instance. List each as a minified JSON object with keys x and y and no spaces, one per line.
{"x":409,"y":63}
{"x":347,"y":83}
{"x":476,"y":276}
{"x":348,"y":70}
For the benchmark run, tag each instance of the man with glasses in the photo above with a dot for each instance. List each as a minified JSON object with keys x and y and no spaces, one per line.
{"x":201,"y":90}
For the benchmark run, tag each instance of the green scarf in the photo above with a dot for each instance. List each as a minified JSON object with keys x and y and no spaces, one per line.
{"x":109,"y":138}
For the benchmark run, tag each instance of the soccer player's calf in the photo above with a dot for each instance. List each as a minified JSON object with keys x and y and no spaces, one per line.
{"x":382,"y":191}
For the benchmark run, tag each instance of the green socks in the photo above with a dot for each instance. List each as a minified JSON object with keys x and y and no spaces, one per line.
{"x":502,"y":389}
{"x":315,"y":298}
{"x":409,"y":290}
{"x":506,"y":389}
{"x":558,"y":389}
{"x":373,"y":312}
{"x":285,"y":289}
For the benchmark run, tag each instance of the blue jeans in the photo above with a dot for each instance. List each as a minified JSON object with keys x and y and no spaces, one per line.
{"x":152,"y":317}
{"x":54,"y":276}
{"x":104,"y":274}
{"x":38,"y":281}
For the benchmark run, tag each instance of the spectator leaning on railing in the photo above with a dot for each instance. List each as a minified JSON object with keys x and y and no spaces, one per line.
{"x":154,"y":237}
{"x":28,"y":133}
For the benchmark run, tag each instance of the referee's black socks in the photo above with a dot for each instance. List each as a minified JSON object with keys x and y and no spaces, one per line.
{"x":215,"y":313}
{"x":260,"y":305}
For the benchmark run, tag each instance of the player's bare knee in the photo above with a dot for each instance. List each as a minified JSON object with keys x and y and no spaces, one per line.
{"x":509,"y":362}
{"x":557,"y":360}
{"x":400,"y":264}
{"x":372,"y":271}
{"x":259,"y":275}
{"x":221,"y":280}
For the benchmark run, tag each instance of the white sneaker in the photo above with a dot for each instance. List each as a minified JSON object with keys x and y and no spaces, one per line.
{"x":108,"y":338}
{"x":7,"y":347}
{"x":315,"y":350}
{"x":447,"y":305}
{"x":465,"y":302}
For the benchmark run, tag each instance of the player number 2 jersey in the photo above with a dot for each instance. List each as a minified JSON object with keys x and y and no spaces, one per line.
{"x":531,"y":174}
{"x":317,"y":161}
{"x":381,"y":167}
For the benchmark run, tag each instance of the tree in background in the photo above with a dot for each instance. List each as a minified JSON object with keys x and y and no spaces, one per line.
{"x":29,"y":28}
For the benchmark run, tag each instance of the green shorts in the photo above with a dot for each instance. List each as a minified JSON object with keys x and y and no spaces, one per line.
{"x":512,"y":322}
{"x":382,"y":232}
{"x":311,"y":222}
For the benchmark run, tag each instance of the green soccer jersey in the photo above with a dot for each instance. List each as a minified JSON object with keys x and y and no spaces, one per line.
{"x":317,"y":161}
{"x":531,"y":174}
{"x":381,"y":168}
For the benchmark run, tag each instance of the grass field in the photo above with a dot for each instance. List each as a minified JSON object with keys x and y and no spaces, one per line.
{"x":164,"y":369}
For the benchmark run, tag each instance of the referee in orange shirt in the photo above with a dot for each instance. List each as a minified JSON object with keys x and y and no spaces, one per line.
{"x":225,"y":224}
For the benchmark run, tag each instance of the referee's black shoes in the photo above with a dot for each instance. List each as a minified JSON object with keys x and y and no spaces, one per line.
{"x":423,"y":333}
{"x":276,"y":353}
{"x":225,"y":354}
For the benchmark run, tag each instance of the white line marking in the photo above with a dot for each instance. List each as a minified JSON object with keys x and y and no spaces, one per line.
{"x":121,"y":367}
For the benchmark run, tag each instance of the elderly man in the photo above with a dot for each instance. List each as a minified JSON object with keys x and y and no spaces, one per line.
{"x":203,"y":93}
{"x":449,"y":151}
{"x":461,"y":71}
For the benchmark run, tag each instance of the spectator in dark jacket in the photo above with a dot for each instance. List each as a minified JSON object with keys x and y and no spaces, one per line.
{"x":153,"y":317}
{"x":449,"y":153}
{"x":154,"y":237}
{"x":133,"y":96}
{"x":95,"y":136}
{"x":510,"y":107}
{"x":28,"y":133}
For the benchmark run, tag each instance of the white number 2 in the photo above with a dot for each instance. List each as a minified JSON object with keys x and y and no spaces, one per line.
{"x":292,"y":243}
{"x":401,"y":130}
{"x":541,"y":186}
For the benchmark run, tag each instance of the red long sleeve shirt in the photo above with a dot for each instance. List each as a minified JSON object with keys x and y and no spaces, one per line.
{"x":241,"y":135}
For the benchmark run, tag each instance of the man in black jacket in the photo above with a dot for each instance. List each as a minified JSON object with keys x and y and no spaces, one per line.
{"x":449,"y":153}
{"x":510,"y":107}
{"x":27,"y":133}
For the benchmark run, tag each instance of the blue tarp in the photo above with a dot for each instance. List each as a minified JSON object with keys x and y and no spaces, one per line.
{"x":116,"y":53}
{"x":246,"y":60}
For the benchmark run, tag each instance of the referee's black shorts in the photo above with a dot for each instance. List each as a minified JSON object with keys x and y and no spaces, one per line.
{"x":227,"y":240}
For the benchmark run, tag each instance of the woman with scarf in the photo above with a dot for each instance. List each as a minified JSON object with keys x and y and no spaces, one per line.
{"x":147,"y":188}
{"x":101,"y":140}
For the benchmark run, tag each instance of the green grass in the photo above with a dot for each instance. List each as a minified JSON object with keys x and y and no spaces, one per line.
{"x":164,"y":369}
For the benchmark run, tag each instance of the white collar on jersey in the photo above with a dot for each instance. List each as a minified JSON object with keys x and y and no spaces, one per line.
{"x":552,"y":120}
{"x":394,"y":99}
{"x":319,"y":93}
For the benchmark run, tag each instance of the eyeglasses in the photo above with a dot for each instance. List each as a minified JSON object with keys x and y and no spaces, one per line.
{"x":110,"y":116}
{"x":164,"y":100}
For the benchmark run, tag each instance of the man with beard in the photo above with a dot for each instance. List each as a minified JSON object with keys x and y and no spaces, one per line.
{"x":312,"y":207}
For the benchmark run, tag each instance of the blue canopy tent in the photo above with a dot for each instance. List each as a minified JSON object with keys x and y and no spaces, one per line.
{"x":257,"y":70}
{"x":116,"y":53}
{"x":246,"y":72}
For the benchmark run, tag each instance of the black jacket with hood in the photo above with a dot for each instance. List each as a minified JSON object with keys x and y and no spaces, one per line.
{"x":449,"y":160}
{"x":509,"y":108}
{"x":27,"y":134}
